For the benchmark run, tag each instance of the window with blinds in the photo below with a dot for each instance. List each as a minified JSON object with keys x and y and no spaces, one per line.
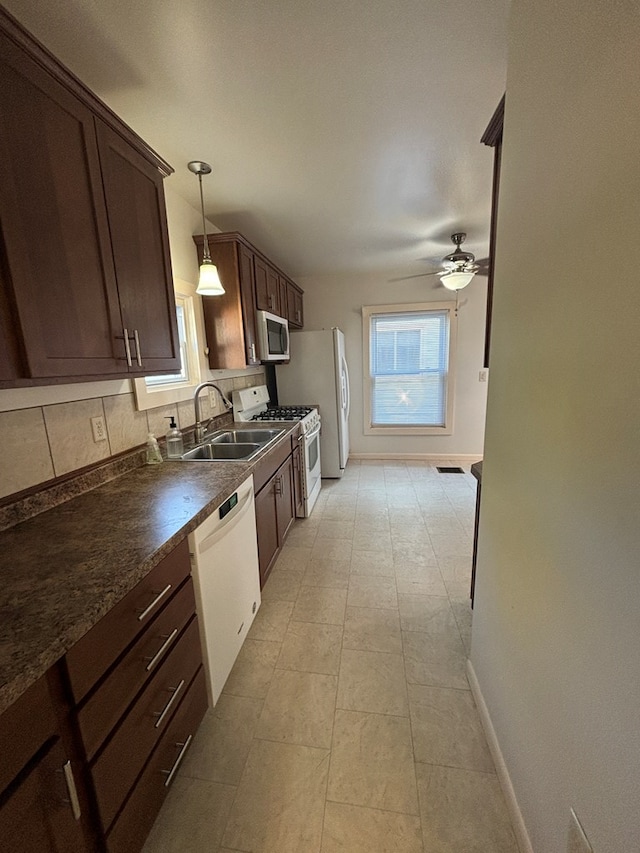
{"x":409,"y":375}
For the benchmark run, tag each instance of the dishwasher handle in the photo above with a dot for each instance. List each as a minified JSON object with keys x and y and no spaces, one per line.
{"x":226,"y":525}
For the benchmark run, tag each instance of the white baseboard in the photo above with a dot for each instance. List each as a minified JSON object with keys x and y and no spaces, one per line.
{"x":522,"y":836}
{"x":419,"y":457}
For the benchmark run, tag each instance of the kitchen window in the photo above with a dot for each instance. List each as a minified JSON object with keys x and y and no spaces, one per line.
{"x":408,"y":358}
{"x":164,"y":389}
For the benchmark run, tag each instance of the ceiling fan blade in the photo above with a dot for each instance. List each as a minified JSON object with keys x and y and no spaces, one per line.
{"x":418,"y":275}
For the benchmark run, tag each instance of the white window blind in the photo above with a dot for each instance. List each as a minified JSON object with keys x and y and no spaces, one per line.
{"x":409,"y":365}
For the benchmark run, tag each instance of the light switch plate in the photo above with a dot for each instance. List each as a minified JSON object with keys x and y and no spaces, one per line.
{"x":577,"y":841}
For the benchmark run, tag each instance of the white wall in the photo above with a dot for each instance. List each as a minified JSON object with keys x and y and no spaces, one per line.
{"x":556,"y":631}
{"x":338,"y":300}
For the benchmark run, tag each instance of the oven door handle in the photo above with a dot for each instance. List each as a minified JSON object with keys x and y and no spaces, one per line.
{"x":314,"y":432}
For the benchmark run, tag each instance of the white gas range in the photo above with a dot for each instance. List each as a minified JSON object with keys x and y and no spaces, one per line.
{"x":251,"y":404}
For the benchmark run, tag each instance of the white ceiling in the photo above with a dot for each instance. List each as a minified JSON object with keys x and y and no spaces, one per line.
{"x":344,"y":135}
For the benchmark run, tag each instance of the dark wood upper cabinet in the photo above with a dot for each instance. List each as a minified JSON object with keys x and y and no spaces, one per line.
{"x":493,"y":137}
{"x":251,"y":283}
{"x":134,"y":194}
{"x":83,"y":235}
{"x":230,"y":319}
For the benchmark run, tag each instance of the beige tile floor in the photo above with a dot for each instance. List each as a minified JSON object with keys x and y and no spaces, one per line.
{"x":347,"y":723}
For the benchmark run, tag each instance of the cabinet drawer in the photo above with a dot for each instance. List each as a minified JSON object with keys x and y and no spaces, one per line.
{"x":91,"y":656}
{"x":268,"y":466}
{"x":105,"y":707}
{"x":136,"y":819}
{"x":116,"y":769}
{"x":24,"y":727}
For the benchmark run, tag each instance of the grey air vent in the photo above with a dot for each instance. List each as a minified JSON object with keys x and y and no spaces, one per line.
{"x":444,"y":469}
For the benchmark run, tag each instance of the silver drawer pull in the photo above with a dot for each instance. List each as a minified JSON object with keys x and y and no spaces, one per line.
{"x":74,"y":802}
{"x":127,"y":348}
{"x":163,"y":648}
{"x":142,"y":614}
{"x":162,"y":714}
{"x":171,"y":773}
{"x":136,"y":338}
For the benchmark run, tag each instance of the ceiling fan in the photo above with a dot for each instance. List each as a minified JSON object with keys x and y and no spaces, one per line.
{"x":458,"y":267}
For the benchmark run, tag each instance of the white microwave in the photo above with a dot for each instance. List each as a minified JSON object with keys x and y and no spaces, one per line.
{"x":273,"y":337}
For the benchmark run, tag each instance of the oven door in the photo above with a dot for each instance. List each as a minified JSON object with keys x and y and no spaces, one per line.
{"x":312,"y":482}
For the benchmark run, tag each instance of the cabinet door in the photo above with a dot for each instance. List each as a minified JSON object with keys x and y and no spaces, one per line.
{"x":267,"y":287}
{"x":139,"y":240}
{"x":285,"y":509}
{"x":57,"y":267}
{"x":38,"y":816}
{"x":247,"y":291}
{"x":294,"y":307}
{"x":267,"y":528}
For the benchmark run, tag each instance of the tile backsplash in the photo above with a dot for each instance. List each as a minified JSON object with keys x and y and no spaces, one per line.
{"x":44,"y":442}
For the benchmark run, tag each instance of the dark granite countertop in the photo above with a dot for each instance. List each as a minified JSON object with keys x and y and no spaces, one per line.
{"x":64,"y":569}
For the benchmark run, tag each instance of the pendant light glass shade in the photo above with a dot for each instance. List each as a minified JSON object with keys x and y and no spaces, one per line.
{"x":209,"y":283}
{"x":456,"y":280}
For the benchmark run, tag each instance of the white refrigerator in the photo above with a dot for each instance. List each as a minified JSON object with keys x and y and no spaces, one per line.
{"x":318,"y":375}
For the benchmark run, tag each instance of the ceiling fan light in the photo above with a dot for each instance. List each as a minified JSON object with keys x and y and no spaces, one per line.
{"x":456,"y":280}
{"x":209,"y":283}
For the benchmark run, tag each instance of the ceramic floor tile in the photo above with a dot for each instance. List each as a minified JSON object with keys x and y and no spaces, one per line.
{"x":193,"y":817}
{"x":320,"y":604}
{"x":271,"y":621}
{"x":456,"y":569}
{"x":328,"y":572}
{"x":372,"y":681}
{"x":282,"y":586}
{"x":372,"y":630}
{"x":463,"y":810}
{"x":335,"y":529}
{"x":368,"y":541}
{"x":299,"y":708}
{"x":422,"y":555}
{"x":429,"y":613}
{"x":279,"y":806}
{"x":335,"y":549}
{"x":372,"y":563}
{"x":447,"y":729}
{"x":436,"y":661}
{"x":221,"y":745}
{"x":292,"y":558}
{"x":452,"y":544}
{"x":253,"y":669}
{"x":302,"y":536}
{"x":412,"y":579}
{"x":354,"y":829}
{"x":311,"y":647}
{"x":372,"y":762}
{"x":366,"y":591}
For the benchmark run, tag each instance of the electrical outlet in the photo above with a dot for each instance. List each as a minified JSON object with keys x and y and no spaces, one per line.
{"x":483,"y":375}
{"x":577,"y":841}
{"x":99,"y":429}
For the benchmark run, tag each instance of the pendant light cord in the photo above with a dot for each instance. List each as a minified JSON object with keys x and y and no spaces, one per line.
{"x":206,"y":257}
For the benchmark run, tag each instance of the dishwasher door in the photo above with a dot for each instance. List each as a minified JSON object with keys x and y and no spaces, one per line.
{"x":224,"y":566}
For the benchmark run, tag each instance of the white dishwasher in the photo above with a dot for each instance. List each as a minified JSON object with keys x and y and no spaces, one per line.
{"x":224,"y":566}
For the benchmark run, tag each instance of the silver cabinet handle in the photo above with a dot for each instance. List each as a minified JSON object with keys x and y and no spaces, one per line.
{"x":127,"y":347}
{"x":278,"y":486}
{"x":74,"y":802}
{"x":168,"y":639}
{"x":162,"y":714}
{"x":171,"y":773}
{"x":253,"y":351}
{"x":137,"y":342}
{"x":147,"y":610}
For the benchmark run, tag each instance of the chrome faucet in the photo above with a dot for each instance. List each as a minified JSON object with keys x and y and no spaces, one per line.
{"x":200,"y":428}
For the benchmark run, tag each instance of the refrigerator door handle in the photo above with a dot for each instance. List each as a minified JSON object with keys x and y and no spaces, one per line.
{"x":346,"y":394}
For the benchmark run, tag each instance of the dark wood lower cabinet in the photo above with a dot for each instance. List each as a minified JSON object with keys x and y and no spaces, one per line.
{"x":136,"y":819}
{"x":275,"y":513}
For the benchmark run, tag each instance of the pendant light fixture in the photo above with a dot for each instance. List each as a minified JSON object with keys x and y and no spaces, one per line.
{"x":209,"y":283}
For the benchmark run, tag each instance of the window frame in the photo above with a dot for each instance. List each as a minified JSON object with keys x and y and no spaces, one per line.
{"x":369,"y":311}
{"x":175,"y":391}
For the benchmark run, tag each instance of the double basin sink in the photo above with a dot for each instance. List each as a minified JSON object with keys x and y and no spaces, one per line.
{"x":229,"y":445}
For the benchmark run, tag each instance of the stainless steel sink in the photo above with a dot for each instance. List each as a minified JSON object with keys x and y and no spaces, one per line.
{"x":235,"y":436}
{"x":223,"y":452}
{"x":229,"y":445}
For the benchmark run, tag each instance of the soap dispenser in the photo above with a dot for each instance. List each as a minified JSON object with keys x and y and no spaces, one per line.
{"x":154,"y":457}
{"x":175,"y":444}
